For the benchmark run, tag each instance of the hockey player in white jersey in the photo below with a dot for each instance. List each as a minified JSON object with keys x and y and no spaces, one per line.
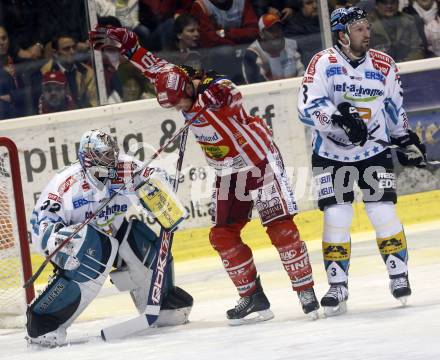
{"x":351,"y":97}
{"x":109,"y":240}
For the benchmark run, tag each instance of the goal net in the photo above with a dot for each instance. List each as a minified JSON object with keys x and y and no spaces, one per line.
{"x":15,"y":264}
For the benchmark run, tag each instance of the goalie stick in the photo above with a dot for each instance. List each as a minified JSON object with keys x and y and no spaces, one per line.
{"x":105,"y":203}
{"x":154,"y":301}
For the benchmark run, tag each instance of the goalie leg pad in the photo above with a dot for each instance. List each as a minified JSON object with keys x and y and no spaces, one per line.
{"x":284,"y":235}
{"x":390,"y":237}
{"x":236,"y":256}
{"x":336,"y":242}
{"x":71,"y":291}
{"x":138,"y":250}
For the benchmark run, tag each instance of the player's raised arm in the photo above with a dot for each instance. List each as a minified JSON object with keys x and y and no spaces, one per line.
{"x":127,"y":43}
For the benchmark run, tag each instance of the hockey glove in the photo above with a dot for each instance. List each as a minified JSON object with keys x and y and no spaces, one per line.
{"x":65,"y":258}
{"x":348,"y":118}
{"x":415,"y":150}
{"x":219,"y":95}
{"x":120,"y":38}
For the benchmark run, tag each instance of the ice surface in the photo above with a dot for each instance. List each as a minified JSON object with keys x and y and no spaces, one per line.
{"x":375,"y":327}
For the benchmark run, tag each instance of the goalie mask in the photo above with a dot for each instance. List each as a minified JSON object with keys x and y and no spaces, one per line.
{"x":98,"y":155}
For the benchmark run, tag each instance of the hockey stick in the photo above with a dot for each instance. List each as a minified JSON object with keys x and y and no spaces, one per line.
{"x":154,"y":300}
{"x":105,"y":203}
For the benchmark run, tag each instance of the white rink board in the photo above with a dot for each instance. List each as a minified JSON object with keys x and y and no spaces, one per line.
{"x":47,"y":142}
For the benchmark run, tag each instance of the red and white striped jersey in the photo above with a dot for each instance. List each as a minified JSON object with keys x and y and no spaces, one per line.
{"x":229,"y":137}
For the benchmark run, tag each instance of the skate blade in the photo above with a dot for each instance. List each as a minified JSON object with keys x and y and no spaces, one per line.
{"x":252,"y":318}
{"x":41,"y":345}
{"x":335,"y":310}
{"x":403,"y":300}
{"x":313,"y":315}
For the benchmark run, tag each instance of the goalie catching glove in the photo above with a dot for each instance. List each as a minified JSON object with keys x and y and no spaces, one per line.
{"x":348,"y":118}
{"x":414,"y":153}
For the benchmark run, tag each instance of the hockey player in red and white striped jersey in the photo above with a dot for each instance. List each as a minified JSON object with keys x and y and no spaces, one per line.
{"x":249,"y":171}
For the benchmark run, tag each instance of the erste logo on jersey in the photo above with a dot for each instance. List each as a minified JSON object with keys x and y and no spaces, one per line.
{"x":333,"y":70}
{"x":375,"y":75}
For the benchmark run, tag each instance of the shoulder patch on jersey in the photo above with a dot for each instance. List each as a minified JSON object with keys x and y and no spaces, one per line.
{"x":66,"y":185}
{"x":311,"y":69}
{"x":327,"y":53}
{"x":54,"y":197}
{"x":381,"y":61}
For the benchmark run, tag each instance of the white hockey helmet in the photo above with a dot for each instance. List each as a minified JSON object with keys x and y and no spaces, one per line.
{"x":98,"y":155}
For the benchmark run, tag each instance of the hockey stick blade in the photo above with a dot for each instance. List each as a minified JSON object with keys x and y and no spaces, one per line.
{"x":48,"y":258}
{"x":125,"y":328}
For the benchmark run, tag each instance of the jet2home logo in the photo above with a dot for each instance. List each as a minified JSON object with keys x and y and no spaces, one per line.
{"x":358,"y":93}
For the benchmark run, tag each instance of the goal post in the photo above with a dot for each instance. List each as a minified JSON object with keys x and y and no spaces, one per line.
{"x":15,"y":260}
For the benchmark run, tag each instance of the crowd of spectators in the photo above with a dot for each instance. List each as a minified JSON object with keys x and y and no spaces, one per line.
{"x":46,"y":63}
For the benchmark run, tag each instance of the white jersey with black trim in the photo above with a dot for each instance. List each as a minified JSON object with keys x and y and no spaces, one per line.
{"x":71,"y":198}
{"x":371,"y":84}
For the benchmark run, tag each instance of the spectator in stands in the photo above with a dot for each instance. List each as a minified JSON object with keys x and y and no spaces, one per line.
{"x":282,"y":8}
{"x":54,"y":97}
{"x":225,"y":22}
{"x":423,"y":11}
{"x":182,"y":50}
{"x":127,"y":12}
{"x":23,"y":24}
{"x":272,"y":56}
{"x":80,"y":77}
{"x":158,"y":16}
{"x":432,"y":31}
{"x":134,"y":84}
{"x":9,"y":84}
{"x":111,"y":59}
{"x":63,"y":17}
{"x":394,"y":32}
{"x":304,"y":27}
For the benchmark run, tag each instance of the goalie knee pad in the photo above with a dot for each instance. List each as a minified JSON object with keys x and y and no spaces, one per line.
{"x":236,"y":257}
{"x":71,"y":291}
{"x":285,"y":237}
{"x":336,"y":242}
{"x":138,"y":252}
{"x":390,"y":237}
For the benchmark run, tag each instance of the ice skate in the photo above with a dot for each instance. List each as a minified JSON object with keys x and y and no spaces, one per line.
{"x":334,"y":301}
{"x":251,"y":309}
{"x":309,"y":303}
{"x":50,"y":340}
{"x":400,"y":289}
